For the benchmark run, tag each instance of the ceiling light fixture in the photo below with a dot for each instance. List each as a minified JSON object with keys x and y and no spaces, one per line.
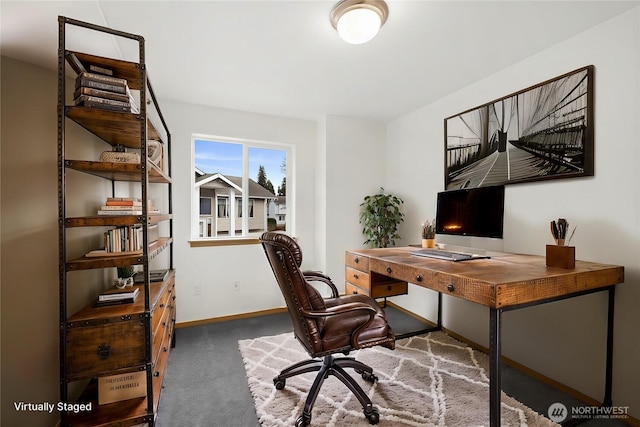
{"x":358,"y":21}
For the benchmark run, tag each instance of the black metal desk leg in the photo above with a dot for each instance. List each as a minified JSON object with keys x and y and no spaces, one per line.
{"x":494,"y":367}
{"x":609,"y":370}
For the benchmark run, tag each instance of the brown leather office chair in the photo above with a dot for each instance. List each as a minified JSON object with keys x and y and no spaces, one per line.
{"x":324,"y":327}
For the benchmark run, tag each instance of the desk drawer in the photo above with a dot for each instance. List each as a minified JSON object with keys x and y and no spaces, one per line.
{"x":388,"y":289}
{"x":357,"y":277}
{"x":440,"y":281}
{"x":357,"y":261}
{"x":352,"y":289}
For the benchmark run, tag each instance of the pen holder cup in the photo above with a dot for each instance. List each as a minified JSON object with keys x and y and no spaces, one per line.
{"x":561,"y":256}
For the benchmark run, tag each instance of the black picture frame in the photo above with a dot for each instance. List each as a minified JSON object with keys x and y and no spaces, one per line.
{"x":539,"y":133}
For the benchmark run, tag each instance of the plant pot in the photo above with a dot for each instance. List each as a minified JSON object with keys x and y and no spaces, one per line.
{"x":428,"y":243}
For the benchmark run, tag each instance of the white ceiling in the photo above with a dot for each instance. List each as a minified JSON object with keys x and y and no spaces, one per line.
{"x":284,"y":57}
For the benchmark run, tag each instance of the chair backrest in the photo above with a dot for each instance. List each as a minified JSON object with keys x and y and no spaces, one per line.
{"x":285,"y":258}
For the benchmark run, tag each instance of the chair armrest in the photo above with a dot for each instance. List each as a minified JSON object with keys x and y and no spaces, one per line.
{"x":317,"y":276}
{"x":346,"y":308}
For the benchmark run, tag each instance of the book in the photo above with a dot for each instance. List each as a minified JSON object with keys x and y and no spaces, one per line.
{"x":111,"y":202}
{"x":94,"y":101}
{"x":104,"y":106}
{"x":100,"y":253}
{"x":117,"y":293}
{"x":154,"y":276}
{"x":121,"y":207}
{"x":96,"y":84}
{"x":101,"y":94}
{"x":126,"y":211}
{"x":115,"y":302}
{"x":75,"y":63}
{"x":102,"y":78}
{"x":100,"y":70}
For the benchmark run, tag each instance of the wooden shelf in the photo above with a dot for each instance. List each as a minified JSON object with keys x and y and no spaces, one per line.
{"x":114,"y":220}
{"x":127,"y":412}
{"x":91,"y":314}
{"x":118,"y":171}
{"x":114,"y":127}
{"x":130,"y":71}
{"x":98,"y":342}
{"x":87,"y":263}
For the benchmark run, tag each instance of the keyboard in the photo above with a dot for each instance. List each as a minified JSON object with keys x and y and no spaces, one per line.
{"x":446,"y":255}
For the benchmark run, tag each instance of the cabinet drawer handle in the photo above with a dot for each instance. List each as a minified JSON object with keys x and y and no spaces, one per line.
{"x":104,"y":351}
{"x":419,"y":278}
{"x":389,"y":270}
{"x":355,"y":276}
{"x":357,"y":260}
{"x":450,"y":287}
{"x":389,"y":288}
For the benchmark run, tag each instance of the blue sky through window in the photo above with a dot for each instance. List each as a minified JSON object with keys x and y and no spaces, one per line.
{"x":226,"y":158}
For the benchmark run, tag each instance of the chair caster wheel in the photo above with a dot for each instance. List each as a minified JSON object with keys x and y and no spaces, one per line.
{"x":303,"y":421}
{"x":279,"y":383}
{"x":373,"y":417}
{"x":370,"y":377}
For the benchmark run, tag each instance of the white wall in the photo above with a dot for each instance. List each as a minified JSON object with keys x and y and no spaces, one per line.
{"x":355,"y":168}
{"x":564,"y":340}
{"x":215,"y":269}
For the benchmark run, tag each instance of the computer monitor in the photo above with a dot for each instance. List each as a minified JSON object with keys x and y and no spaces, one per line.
{"x":477,"y":212}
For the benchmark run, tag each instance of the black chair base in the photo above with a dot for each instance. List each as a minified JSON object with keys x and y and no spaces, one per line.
{"x":331,"y":366}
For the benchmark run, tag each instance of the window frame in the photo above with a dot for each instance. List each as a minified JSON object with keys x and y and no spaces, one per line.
{"x":244,"y":236}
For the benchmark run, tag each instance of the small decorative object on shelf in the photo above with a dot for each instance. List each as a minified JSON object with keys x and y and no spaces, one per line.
{"x":429,"y":234}
{"x":119,"y":155}
{"x":125,"y":276}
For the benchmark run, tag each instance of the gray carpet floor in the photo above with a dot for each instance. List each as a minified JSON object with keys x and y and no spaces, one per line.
{"x":205,"y":383}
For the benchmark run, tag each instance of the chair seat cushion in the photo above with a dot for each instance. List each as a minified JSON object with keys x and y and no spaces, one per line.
{"x":337,"y":329}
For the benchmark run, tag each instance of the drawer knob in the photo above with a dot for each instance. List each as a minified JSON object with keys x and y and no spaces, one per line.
{"x":419,"y":278}
{"x":357,"y":260}
{"x":389,"y":270}
{"x":389,"y":288}
{"x":450,"y":287}
{"x":104,"y":351}
{"x":355,"y":276}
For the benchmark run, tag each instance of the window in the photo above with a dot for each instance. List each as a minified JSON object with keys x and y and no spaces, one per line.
{"x":244,"y":183}
{"x":250,"y":208}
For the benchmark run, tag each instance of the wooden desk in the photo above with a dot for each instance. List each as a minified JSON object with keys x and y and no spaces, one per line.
{"x":504,"y":282}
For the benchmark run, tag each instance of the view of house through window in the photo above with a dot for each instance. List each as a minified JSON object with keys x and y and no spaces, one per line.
{"x":241,"y":186}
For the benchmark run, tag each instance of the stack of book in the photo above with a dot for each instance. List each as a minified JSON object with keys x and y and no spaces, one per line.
{"x":116,"y":296}
{"x":125,"y":206}
{"x":123,"y":239}
{"x":103,"y":91}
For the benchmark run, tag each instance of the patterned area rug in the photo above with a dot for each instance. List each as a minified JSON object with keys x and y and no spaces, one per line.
{"x":428,"y":380}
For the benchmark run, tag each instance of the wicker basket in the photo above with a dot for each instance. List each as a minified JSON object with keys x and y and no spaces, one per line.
{"x":119,"y":157}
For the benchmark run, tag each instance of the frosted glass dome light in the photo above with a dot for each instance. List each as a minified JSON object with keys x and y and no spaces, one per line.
{"x":358,"y":21}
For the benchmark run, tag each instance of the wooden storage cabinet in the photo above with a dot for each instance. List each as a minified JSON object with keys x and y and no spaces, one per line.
{"x":100,"y":342}
{"x":361,"y":280}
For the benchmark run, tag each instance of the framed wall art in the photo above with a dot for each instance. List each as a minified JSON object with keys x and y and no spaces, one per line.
{"x":542,"y":132}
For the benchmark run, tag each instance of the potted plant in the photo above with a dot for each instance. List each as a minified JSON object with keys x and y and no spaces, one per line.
{"x":125,"y":276}
{"x":429,"y":234}
{"x":380,"y":216}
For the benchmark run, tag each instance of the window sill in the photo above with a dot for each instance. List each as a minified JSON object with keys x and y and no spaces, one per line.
{"x":224,"y":242}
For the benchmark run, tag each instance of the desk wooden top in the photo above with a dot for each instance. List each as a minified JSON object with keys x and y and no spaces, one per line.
{"x":503,"y":281}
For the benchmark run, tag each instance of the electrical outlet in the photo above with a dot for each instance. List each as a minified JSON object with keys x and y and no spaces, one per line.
{"x":197,"y":290}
